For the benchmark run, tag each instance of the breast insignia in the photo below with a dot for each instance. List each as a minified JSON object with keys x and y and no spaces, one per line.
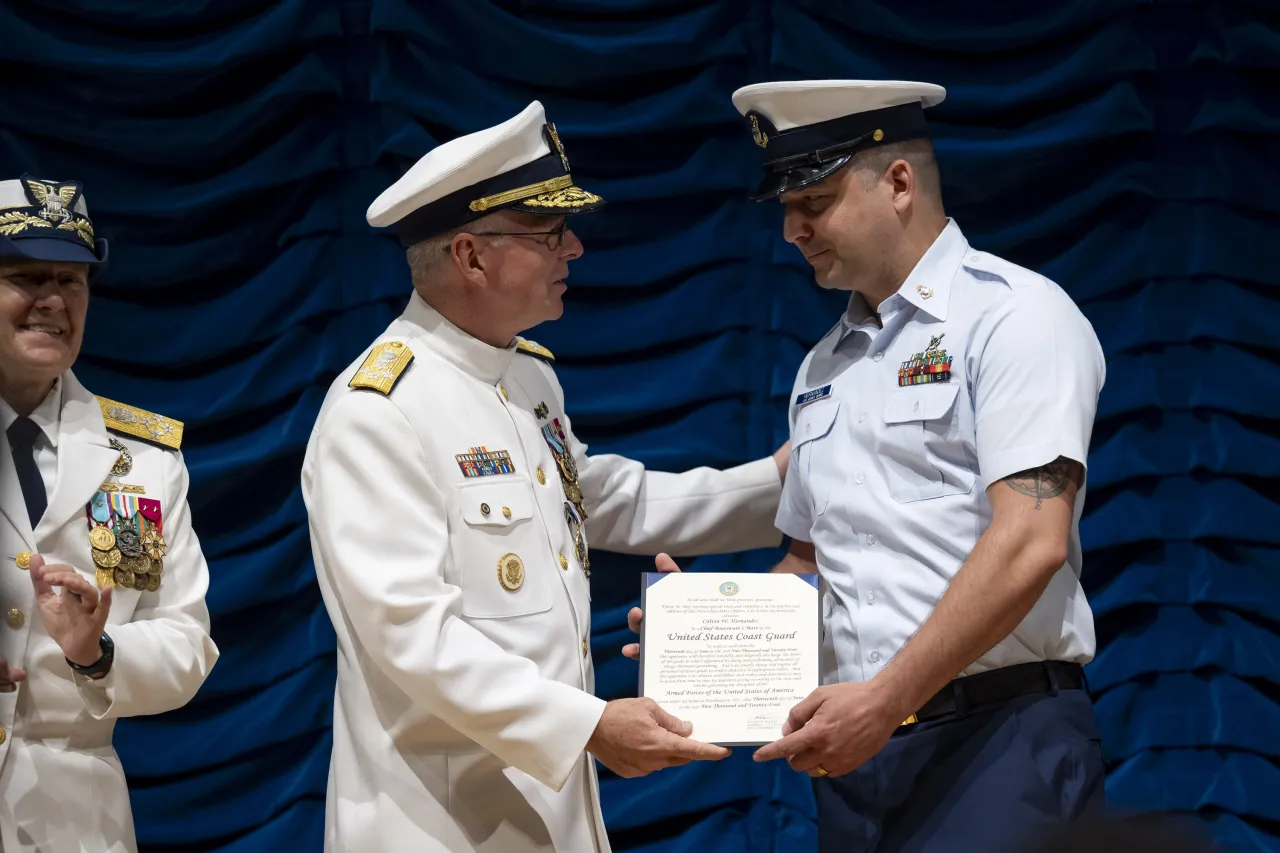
{"x":148,"y":426}
{"x":535,"y":350}
{"x":382,"y":369}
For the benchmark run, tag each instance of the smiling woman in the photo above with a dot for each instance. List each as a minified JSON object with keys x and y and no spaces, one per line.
{"x":42,"y":311}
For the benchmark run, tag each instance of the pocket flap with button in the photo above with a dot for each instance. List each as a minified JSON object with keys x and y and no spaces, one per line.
{"x":497,"y":504}
{"x":814,"y":421}
{"x":920,"y":402}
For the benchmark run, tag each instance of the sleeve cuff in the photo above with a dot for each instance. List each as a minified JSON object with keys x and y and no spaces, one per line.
{"x":1014,"y":460}
{"x":579,"y":718}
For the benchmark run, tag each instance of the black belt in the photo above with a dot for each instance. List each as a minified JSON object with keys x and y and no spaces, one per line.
{"x":1000,"y":685}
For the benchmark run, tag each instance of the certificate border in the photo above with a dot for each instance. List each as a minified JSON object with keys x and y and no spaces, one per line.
{"x":648,"y":579}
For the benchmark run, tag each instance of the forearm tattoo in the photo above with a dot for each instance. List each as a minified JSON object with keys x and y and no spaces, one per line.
{"x":1047,"y":481}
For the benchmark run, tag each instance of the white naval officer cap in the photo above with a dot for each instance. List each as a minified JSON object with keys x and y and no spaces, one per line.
{"x":46,"y":220}
{"x":517,"y":165}
{"x":807,"y":130}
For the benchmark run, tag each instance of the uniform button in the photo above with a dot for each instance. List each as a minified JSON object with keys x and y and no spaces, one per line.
{"x":871,"y":598}
{"x":506,"y":512}
{"x":24,"y":562}
{"x":584,"y":648}
{"x":878,"y":356}
{"x":484,"y":510}
{"x":875,"y":657}
{"x":564,"y":562}
{"x":860,"y":478}
{"x":862,"y":417}
{"x":504,"y":392}
{"x":3,"y":735}
{"x":15,"y":618}
{"x":871,"y":539}
{"x":542,"y":478}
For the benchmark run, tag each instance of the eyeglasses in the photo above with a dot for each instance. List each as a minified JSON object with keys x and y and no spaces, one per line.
{"x":553,"y":241}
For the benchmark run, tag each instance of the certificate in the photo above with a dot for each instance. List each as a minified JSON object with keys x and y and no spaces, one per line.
{"x":731,"y":653}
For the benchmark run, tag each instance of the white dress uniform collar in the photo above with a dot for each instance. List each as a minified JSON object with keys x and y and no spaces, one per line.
{"x":47,"y":415}
{"x":928,"y":287}
{"x":485,"y":362}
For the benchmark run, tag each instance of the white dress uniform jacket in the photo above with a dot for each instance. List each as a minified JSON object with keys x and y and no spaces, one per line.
{"x":62,"y":789}
{"x":464,"y":698}
{"x":888,"y":480}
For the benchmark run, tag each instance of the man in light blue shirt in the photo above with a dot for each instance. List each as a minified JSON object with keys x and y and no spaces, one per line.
{"x":939,"y":433}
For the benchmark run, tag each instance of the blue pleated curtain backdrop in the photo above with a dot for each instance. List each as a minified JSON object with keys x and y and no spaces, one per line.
{"x":1126,"y":148}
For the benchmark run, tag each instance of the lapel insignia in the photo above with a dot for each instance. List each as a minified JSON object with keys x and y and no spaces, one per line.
{"x":815,"y":394}
{"x":382,"y":367}
{"x":125,"y":463}
{"x":932,"y":365}
{"x":541,"y":411}
{"x":485,"y":463}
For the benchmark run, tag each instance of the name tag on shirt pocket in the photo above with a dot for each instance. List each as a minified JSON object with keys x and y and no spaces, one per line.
{"x":813,"y":449}
{"x":920,"y":449}
{"x":498,"y":522}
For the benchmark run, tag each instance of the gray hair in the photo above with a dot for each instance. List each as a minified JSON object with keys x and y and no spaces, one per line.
{"x":430,"y":257}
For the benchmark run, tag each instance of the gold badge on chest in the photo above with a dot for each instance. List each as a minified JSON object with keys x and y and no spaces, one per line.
{"x":511,"y":572}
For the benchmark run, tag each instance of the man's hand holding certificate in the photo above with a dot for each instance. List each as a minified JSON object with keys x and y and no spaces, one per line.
{"x":730,"y":653}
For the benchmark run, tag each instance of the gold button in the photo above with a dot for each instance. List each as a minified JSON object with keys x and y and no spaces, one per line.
{"x":24,"y":562}
{"x":15,"y":618}
{"x":506,"y":512}
{"x":542,"y":478}
{"x":484,"y":509}
{"x":878,"y":135}
{"x":584,"y":648}
{"x":564,"y":563}
{"x":504,"y":393}
{"x":3,"y":735}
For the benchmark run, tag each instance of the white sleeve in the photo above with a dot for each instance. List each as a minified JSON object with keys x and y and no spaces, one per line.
{"x":1035,"y":390}
{"x":380,"y":532}
{"x":795,"y":510}
{"x":164,"y":653}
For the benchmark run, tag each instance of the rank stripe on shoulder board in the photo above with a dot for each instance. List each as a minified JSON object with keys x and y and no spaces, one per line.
{"x":535,"y":350}
{"x":383,"y":366}
{"x":139,"y":423}
{"x":815,"y":394}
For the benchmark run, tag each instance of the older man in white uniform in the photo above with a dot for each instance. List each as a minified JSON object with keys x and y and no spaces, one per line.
{"x":941,"y":430}
{"x":104,"y":583}
{"x":451,"y":506}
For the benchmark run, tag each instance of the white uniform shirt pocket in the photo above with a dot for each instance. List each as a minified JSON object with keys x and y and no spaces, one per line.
{"x":920,"y":444}
{"x":813,"y":442}
{"x":497,"y":524}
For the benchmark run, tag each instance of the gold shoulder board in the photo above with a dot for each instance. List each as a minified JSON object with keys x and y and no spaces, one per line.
{"x":535,"y":350}
{"x":382,"y":369}
{"x":139,"y":423}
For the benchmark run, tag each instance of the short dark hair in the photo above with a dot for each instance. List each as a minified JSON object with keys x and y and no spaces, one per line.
{"x":873,"y":162}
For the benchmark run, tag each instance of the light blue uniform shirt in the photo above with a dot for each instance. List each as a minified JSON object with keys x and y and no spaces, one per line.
{"x":889,"y":481}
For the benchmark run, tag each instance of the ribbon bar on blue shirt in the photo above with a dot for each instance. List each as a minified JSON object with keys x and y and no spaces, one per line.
{"x":815,"y":394}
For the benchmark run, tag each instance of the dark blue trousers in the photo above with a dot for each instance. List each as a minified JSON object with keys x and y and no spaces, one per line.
{"x":984,"y":781}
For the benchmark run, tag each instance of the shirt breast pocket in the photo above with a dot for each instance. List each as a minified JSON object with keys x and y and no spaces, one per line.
{"x":814,"y":441}
{"x":498,"y":525}
{"x":921,"y":445}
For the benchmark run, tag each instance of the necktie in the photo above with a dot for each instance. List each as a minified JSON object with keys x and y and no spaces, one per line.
{"x":22,"y":441}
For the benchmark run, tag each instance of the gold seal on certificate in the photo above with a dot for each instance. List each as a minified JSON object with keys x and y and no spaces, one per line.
{"x":732,"y":653}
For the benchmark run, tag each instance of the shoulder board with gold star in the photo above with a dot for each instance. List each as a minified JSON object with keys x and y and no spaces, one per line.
{"x":535,"y":350}
{"x":382,"y":369}
{"x":139,"y":423}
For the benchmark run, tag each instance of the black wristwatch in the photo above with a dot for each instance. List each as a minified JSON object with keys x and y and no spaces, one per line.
{"x":102,"y":666}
